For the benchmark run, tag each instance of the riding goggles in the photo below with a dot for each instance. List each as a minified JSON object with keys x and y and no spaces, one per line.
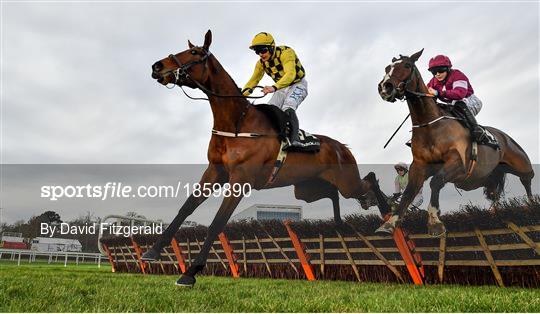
{"x":261,"y":49}
{"x":436,"y":70}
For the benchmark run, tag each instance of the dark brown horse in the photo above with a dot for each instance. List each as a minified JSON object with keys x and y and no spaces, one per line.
{"x":441,"y":148}
{"x":326,"y":174}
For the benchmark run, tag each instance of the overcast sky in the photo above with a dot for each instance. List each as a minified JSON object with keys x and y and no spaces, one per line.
{"x":76,"y":85}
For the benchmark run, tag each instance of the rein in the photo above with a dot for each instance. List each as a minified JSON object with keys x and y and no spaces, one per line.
{"x":415,"y":93}
{"x":181,"y":73}
{"x":420,"y":94}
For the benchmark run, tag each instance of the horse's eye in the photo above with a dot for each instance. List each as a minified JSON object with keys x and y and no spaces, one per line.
{"x":193,"y":52}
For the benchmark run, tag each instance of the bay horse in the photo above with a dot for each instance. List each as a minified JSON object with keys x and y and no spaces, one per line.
{"x":236,"y":158}
{"x":441,"y":148}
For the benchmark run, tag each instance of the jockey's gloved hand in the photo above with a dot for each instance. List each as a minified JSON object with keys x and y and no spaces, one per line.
{"x":396,"y":196}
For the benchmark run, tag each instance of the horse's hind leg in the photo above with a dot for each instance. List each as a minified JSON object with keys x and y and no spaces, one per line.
{"x":213,"y":174}
{"x":526,"y":181}
{"x":494,"y":186}
{"x":314,"y":190}
{"x":517,"y":163}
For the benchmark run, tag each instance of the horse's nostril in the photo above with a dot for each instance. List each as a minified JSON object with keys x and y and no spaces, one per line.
{"x":388,"y":87}
{"x":155,"y":75}
{"x":158,"y":66}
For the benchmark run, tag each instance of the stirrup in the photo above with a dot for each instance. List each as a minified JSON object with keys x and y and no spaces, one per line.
{"x":479,"y":135}
{"x":287,"y":145}
{"x":292,"y":144}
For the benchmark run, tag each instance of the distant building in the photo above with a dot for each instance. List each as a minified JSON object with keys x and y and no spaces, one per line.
{"x":13,"y":240}
{"x":41,"y":244}
{"x":270,"y":212}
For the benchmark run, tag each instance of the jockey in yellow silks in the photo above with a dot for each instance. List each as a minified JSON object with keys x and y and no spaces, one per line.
{"x":284,"y":67}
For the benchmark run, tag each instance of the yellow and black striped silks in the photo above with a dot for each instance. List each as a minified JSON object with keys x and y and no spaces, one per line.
{"x":284,"y":68}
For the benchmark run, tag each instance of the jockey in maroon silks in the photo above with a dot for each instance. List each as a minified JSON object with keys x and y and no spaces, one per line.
{"x":453,"y":87}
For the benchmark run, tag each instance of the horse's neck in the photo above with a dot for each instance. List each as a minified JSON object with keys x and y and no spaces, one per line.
{"x":226,"y":110}
{"x":423,"y":109}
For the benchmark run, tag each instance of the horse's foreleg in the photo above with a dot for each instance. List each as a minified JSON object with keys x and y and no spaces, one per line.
{"x":213,"y":174}
{"x":224,"y":213}
{"x":417,"y":176}
{"x":451,"y":169}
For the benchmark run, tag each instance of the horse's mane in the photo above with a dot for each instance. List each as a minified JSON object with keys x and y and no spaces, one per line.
{"x":243,"y":100}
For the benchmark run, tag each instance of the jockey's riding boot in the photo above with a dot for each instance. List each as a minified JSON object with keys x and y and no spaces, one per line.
{"x":294,"y":139}
{"x":477,"y":132}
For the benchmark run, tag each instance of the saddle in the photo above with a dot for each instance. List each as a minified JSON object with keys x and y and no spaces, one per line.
{"x":280,"y":121}
{"x":488,"y":139}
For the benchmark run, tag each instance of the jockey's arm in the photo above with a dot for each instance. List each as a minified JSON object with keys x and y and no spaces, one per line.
{"x":289,"y":67}
{"x":460,"y":87}
{"x":458,"y":91}
{"x":254,"y":80}
{"x":432,"y":88}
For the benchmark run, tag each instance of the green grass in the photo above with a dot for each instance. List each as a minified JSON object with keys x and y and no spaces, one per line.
{"x":85,"y":288}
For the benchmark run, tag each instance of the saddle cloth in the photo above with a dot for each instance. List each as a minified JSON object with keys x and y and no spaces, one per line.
{"x":310,"y":143}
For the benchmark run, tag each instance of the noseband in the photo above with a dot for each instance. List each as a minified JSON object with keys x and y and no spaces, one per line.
{"x":181,"y":71}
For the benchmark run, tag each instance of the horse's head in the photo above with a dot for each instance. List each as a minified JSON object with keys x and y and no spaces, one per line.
{"x":399,"y":77}
{"x":188,"y":67}
{"x":368,"y":200}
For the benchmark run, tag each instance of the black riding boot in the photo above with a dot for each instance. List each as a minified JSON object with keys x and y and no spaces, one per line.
{"x":477,"y":132}
{"x":293,"y":136}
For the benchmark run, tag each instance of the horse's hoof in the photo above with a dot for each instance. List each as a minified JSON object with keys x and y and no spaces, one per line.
{"x":436,"y":230}
{"x":386,"y":228}
{"x":151,"y":255}
{"x":186,"y":281}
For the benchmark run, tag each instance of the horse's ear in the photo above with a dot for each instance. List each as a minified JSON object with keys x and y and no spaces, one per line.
{"x":207,"y":39}
{"x":394,"y":59}
{"x":417,"y":55}
{"x":190,"y":45}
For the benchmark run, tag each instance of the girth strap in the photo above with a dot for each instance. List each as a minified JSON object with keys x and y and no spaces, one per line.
{"x":433,"y":121}
{"x":280,"y":160}
{"x":231,"y":134}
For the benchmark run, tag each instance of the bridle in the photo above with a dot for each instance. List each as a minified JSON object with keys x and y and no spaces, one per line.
{"x":181,"y":73}
{"x":403,"y":86}
{"x":407,"y":90}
